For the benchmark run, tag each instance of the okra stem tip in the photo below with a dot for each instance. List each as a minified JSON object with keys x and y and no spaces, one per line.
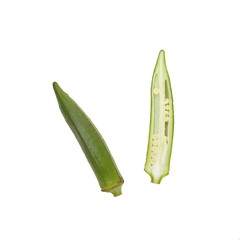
{"x":117,"y":191}
{"x":158,"y":180}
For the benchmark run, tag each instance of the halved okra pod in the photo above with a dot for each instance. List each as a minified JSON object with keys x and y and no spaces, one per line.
{"x":161,"y":123}
{"x":91,"y":142}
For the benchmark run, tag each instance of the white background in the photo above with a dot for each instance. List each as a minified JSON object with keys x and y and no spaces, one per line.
{"x":103,"y":54}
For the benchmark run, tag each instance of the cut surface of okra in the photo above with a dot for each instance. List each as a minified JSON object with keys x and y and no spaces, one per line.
{"x":161,"y":123}
{"x":91,"y":142}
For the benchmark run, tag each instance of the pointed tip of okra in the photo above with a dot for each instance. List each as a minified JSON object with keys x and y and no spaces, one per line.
{"x":162,"y":52}
{"x":57,"y":89}
{"x":55,"y":85}
{"x":161,"y":63}
{"x":161,"y":57}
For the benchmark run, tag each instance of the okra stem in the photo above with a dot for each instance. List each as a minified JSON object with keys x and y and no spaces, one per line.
{"x":161,"y":123}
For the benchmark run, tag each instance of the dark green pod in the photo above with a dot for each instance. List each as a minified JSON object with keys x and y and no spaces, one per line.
{"x":91,"y":142}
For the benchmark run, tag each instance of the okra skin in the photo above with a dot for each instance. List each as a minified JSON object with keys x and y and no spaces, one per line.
{"x":91,"y":142}
{"x":161,"y":123}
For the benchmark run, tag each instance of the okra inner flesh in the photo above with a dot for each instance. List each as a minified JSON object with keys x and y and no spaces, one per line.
{"x":161,"y":123}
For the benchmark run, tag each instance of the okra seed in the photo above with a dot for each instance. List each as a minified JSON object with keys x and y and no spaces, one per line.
{"x":155,"y":136}
{"x":166,"y":101}
{"x":154,"y":149}
{"x":167,"y":113}
{"x":154,"y":153}
{"x":156,"y":91}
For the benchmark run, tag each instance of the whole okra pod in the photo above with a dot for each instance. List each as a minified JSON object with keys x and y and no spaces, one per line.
{"x":91,"y":142}
{"x":161,"y":123}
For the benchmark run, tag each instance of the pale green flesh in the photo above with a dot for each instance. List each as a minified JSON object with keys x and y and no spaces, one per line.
{"x":161,"y":123}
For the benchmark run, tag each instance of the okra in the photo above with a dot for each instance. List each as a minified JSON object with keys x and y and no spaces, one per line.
{"x":91,"y":142}
{"x":161,"y":123}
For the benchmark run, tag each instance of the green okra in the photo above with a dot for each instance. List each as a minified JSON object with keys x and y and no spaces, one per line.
{"x":161,"y":123}
{"x":91,"y":142}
